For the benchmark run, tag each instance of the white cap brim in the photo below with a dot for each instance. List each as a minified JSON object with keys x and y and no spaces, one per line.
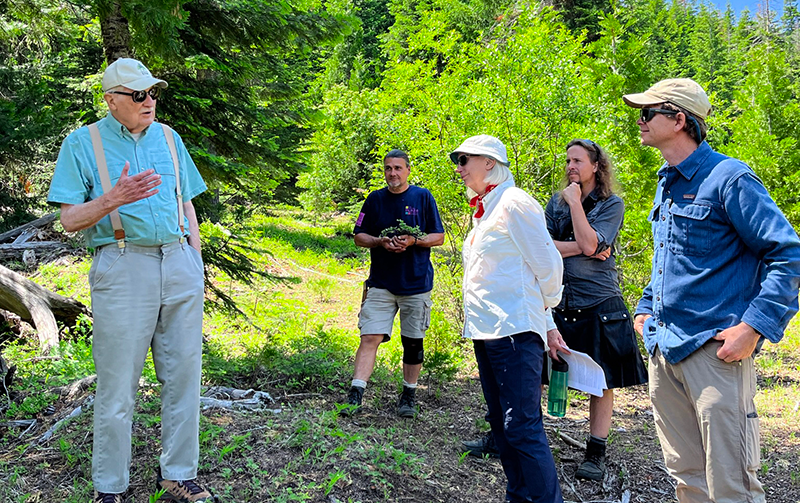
{"x":143,"y":83}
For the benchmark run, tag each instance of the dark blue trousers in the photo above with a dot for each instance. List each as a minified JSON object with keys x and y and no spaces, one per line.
{"x":511,"y":377}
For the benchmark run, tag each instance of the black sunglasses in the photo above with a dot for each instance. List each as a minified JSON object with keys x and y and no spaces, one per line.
{"x":140,"y":96}
{"x":463,"y":159}
{"x":649,"y":113}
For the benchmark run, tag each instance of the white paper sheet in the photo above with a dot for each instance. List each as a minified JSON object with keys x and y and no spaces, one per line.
{"x":584,"y":374}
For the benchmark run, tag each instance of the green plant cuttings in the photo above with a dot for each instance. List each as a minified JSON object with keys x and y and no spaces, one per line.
{"x":401,"y":229}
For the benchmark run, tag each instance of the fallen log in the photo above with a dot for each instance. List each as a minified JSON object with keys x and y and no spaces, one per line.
{"x":37,"y":305}
{"x":35,"y":224}
{"x":75,"y":412}
{"x":17,"y":423}
{"x":15,"y":251}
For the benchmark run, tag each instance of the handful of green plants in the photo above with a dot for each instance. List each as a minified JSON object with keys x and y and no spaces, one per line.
{"x":402,"y":228}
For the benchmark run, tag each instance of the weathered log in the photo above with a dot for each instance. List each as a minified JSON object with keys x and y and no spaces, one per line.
{"x":87,"y":404}
{"x":35,"y":224}
{"x":17,"y":423}
{"x":37,"y":305}
{"x":26,"y":236}
{"x":72,"y":391}
{"x":14,"y":251}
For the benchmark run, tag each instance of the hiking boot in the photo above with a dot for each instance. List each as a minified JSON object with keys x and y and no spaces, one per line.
{"x":184,"y":491}
{"x":110,"y":498}
{"x":481,"y":447}
{"x":407,"y":405}
{"x":353,"y":405}
{"x":594,"y":464}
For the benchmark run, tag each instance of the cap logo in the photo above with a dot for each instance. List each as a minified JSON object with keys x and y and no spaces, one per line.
{"x":142,"y":69}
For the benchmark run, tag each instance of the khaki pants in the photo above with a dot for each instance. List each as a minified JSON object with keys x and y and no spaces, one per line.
{"x":707,"y":425}
{"x":142,"y":298}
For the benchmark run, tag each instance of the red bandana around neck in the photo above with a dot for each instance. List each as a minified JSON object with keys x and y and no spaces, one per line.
{"x":478,"y":201}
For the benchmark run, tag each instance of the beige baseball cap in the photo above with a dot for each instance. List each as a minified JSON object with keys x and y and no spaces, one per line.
{"x":685,"y":93}
{"x":130,"y":73}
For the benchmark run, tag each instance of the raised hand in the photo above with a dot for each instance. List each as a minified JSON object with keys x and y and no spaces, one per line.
{"x":130,"y":189}
{"x":572,"y":193}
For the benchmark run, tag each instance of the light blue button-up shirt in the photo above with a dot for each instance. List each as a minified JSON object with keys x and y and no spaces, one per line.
{"x":723,"y":254}
{"x":149,"y":222}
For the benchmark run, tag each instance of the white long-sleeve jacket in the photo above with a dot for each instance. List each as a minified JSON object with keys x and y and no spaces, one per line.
{"x":512,"y":269}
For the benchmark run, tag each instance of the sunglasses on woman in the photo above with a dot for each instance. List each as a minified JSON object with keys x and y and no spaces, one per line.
{"x":463,"y":159}
{"x":649,"y":113}
{"x":140,"y":96}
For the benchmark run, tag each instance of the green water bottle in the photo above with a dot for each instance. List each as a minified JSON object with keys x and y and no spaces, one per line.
{"x":557,"y":390}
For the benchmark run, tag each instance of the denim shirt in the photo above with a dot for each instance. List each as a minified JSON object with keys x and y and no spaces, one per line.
{"x":148,"y":222}
{"x":588,"y":281}
{"x":723,"y":254}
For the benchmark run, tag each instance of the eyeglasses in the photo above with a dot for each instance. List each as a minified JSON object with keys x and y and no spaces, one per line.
{"x":463,"y":159}
{"x":140,"y":96}
{"x":649,"y":113}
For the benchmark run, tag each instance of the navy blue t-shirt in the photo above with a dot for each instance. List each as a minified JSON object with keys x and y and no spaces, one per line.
{"x":409,"y":272}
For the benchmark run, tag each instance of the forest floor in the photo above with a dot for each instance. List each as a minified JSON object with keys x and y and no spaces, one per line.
{"x":297,"y":345}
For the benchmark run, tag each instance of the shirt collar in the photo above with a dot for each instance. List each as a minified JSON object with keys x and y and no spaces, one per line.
{"x":118,"y":128}
{"x":490,"y":199}
{"x":691,"y":164}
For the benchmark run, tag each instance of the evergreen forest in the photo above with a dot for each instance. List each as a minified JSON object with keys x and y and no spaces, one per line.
{"x":287,"y":108}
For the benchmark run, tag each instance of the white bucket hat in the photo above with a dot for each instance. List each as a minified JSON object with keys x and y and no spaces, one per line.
{"x":130,"y":73}
{"x":483,"y":144}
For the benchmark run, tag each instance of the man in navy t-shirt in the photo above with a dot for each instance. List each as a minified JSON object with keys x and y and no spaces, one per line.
{"x":400,"y":277}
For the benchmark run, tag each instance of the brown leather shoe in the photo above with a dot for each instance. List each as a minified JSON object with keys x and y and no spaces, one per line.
{"x":184,"y":491}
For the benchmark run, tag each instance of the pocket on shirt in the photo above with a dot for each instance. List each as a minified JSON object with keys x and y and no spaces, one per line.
{"x":617,"y":332}
{"x":167,"y":172}
{"x":690,"y":232}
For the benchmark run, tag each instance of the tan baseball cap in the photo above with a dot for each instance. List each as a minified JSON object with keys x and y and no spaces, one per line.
{"x":685,"y":93}
{"x":130,"y":73}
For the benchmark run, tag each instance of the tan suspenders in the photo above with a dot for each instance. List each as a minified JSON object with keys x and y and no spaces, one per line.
{"x":105,"y":179}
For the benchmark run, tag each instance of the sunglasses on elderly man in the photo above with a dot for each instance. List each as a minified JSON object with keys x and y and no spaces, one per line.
{"x":140,"y":96}
{"x":649,"y":113}
{"x":463,"y":159}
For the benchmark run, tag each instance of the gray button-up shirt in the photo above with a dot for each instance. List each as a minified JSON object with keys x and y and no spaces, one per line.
{"x":588,"y":281}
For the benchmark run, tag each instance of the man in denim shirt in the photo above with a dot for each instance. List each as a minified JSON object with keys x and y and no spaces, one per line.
{"x":146,"y":278}
{"x":726,"y":270}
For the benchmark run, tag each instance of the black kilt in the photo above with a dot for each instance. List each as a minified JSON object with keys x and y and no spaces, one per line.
{"x":605,"y":332}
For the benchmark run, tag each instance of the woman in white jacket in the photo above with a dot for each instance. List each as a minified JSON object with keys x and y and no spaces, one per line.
{"x":512,"y":275}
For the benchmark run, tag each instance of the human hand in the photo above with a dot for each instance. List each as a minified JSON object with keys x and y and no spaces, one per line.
{"x":739,"y":342}
{"x":638,"y":323}
{"x":572,"y":193}
{"x":130,"y":189}
{"x":404,"y":241}
{"x":390,"y":245}
{"x":556,"y":343}
{"x":603,"y":255}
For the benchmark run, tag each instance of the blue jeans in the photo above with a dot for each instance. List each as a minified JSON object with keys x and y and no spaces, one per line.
{"x":511,"y":377}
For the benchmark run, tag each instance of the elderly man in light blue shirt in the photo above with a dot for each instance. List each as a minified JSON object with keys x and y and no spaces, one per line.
{"x":127,"y":182}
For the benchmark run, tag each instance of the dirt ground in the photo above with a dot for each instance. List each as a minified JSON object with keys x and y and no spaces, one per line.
{"x":306,"y":452}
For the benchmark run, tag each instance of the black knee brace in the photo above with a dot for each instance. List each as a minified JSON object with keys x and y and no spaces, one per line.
{"x":413,"y":353}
